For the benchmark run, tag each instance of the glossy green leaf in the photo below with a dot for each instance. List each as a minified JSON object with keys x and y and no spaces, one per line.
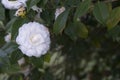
{"x":9,"y":48}
{"x":2,"y":12}
{"x":60,"y":22}
{"x":2,"y":25}
{"x":2,"y":40}
{"x":9,"y":24}
{"x":4,"y":76}
{"x":114,"y":33}
{"x":71,"y":31}
{"x":31,"y":3}
{"x":82,"y":30}
{"x":6,"y":67}
{"x":11,"y":69}
{"x":75,"y":30}
{"x":16,"y":25}
{"x":47,"y":57}
{"x":2,"y":53}
{"x":15,"y":56}
{"x":42,"y":3}
{"x":114,"y":18}
{"x":82,"y":9}
{"x":38,"y":62}
{"x":101,"y":12}
{"x":72,"y":2}
{"x":16,"y":77}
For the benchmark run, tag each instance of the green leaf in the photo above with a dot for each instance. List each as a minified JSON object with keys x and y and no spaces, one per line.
{"x":6,"y":67}
{"x":114,"y":33}
{"x":15,"y":26}
{"x":38,"y":62}
{"x":47,"y":57}
{"x":4,"y":60}
{"x":101,"y":12}
{"x":82,"y":30}
{"x":15,"y":56}
{"x":42,"y":3}
{"x":2,"y":53}
{"x":1,"y":25}
{"x":9,"y":48}
{"x":11,"y":69}
{"x":48,"y":13}
{"x":2,"y":12}
{"x":16,"y":77}
{"x":60,"y":22}
{"x":48,"y":76}
{"x":2,"y":40}
{"x":9,"y":24}
{"x":31,"y":3}
{"x":4,"y":76}
{"x":72,"y":2}
{"x":71,"y":31}
{"x":75,"y":30}
{"x":114,"y":18}
{"x":82,"y":9}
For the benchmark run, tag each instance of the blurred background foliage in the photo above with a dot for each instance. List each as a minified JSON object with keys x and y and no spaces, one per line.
{"x":85,"y":41}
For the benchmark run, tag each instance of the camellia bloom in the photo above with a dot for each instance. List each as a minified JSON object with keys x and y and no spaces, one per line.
{"x":59,"y":11}
{"x":13,"y":4}
{"x":33,"y":39}
{"x":8,"y":37}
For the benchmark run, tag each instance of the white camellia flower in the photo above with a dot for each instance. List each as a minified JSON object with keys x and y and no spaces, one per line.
{"x":59,"y":11}
{"x":8,"y":37}
{"x":13,"y":4}
{"x":33,"y":39}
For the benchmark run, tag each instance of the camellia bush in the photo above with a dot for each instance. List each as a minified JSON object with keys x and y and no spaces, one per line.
{"x":59,"y":40}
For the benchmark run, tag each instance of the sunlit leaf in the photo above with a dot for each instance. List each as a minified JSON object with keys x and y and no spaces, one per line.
{"x":82,"y":9}
{"x":77,"y":29}
{"x":114,"y":18}
{"x":101,"y":12}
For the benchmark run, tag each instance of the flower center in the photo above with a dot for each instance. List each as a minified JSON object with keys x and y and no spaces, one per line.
{"x":35,"y":39}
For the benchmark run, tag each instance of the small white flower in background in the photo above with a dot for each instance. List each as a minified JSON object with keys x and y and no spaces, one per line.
{"x":59,"y":11}
{"x":33,"y":39}
{"x":8,"y":37}
{"x":13,"y":4}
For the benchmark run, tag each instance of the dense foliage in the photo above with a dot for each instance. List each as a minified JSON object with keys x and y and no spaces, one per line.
{"x":85,"y":41}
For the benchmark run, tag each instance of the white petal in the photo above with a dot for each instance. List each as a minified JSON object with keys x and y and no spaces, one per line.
{"x":13,"y":4}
